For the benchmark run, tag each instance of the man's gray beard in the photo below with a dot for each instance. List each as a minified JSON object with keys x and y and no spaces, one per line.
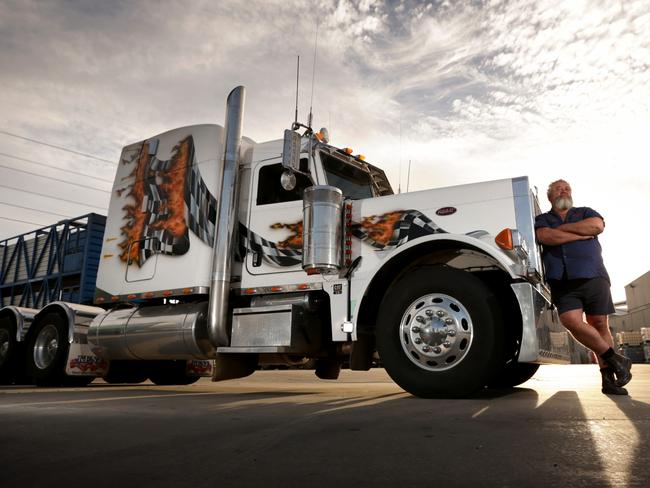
{"x":563,"y":203}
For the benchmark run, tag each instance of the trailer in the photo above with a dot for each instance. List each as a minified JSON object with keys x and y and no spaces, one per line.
{"x":224,"y":254}
{"x":56,"y":262}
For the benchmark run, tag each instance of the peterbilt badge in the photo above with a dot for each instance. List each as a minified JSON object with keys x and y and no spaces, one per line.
{"x":446,"y":211}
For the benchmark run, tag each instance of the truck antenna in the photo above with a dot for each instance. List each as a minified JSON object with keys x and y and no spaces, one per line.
{"x":399,"y":184}
{"x":295,"y":124}
{"x":313,"y":77}
{"x":408,"y":177}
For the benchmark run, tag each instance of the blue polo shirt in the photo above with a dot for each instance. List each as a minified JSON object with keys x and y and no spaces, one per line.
{"x":573,"y":260}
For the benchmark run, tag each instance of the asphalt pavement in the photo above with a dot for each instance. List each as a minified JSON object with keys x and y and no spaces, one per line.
{"x":288,"y":428}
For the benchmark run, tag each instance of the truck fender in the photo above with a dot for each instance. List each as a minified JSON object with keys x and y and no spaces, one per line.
{"x":371,"y":286}
{"x":81,"y":360}
{"x":22,"y":318}
{"x":443,"y":241}
{"x":77,"y":316}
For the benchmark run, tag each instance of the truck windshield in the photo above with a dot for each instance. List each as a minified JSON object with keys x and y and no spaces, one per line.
{"x":354,"y":182}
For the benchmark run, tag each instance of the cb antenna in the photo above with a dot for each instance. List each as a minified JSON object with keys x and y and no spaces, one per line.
{"x":408,"y":177}
{"x":296,"y":125}
{"x":313,"y":77}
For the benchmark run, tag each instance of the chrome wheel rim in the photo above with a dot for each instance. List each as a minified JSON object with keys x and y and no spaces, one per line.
{"x":436,"y":332}
{"x":4,"y":345}
{"x":46,"y":346}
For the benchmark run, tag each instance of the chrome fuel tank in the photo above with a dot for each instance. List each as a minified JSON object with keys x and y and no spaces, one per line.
{"x":152,"y":332}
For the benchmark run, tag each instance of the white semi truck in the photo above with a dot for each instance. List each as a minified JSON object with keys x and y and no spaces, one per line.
{"x":221,"y":255}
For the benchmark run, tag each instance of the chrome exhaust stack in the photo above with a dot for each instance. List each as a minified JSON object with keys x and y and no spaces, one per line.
{"x":226,"y":225}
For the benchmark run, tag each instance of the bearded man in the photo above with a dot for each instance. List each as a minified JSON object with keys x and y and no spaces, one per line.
{"x":579,"y":281}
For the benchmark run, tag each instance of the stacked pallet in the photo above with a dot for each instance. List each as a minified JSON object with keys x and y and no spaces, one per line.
{"x":630,"y":338}
{"x":645,"y":337}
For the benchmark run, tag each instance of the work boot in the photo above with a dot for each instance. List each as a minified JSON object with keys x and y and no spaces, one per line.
{"x":620,"y":366}
{"x":609,"y":383}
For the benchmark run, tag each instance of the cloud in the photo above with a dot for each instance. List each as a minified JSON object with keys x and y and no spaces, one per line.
{"x":467,"y":90}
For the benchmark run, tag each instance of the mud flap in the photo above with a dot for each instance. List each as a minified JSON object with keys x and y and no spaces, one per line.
{"x":236,"y":365}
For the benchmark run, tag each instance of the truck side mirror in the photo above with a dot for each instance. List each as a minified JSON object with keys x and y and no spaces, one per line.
{"x":291,"y":151}
{"x":288,"y":180}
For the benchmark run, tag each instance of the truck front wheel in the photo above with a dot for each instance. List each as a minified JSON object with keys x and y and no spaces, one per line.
{"x":513,"y":374}
{"x":439,"y":332}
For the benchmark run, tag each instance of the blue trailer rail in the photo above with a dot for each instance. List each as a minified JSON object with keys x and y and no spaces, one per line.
{"x":58,"y":262}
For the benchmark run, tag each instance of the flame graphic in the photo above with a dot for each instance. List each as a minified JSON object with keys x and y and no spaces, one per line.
{"x":173,"y":186}
{"x":380,"y":228}
{"x":294,"y":241}
{"x":135,"y":218}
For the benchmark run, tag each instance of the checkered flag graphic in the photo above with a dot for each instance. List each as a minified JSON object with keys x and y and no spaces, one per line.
{"x":154,"y":205}
{"x":267,"y":249}
{"x":201,"y":206}
{"x":411,"y":225}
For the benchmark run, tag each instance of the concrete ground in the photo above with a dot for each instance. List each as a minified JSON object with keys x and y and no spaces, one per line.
{"x":287,"y":428}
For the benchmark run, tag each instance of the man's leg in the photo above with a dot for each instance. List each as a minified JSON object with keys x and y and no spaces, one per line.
{"x":583,"y":332}
{"x":600,"y":323}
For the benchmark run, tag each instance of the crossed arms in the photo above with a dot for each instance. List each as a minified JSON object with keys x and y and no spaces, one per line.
{"x":576,"y":231}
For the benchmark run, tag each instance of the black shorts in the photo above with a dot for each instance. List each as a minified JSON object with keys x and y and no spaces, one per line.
{"x":591,"y":295}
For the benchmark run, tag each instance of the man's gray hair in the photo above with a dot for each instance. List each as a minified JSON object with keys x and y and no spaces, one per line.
{"x":548,"y":192}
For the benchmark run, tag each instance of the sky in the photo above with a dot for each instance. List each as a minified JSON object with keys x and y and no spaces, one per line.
{"x":464,"y":90}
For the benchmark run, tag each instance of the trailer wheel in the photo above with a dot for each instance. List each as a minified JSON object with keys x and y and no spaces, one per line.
{"x":165,"y":373}
{"x":513,"y":374}
{"x":126,"y":371}
{"x":47,"y":350}
{"x":9,"y":352}
{"x":439,"y":332}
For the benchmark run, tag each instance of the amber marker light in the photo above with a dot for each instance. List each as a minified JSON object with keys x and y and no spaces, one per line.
{"x":167,"y":293}
{"x":131,"y":297}
{"x":187,"y":291}
{"x":249,"y":291}
{"x":303,"y":287}
{"x":276,"y":288}
{"x":504,"y":240}
{"x":347,"y":150}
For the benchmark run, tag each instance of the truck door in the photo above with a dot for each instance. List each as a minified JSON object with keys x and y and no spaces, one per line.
{"x":273,"y":234}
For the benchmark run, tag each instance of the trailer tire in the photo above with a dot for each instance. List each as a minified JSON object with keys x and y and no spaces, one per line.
{"x":47,"y":351}
{"x":439,"y":332}
{"x":126,"y":371}
{"x":78,"y":381}
{"x":173,"y":372}
{"x":10,"y":352}
{"x":513,"y":374}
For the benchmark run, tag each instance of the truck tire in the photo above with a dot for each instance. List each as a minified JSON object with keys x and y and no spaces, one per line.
{"x":10,"y":355}
{"x":47,"y":351}
{"x":126,"y":371}
{"x":166,"y":373}
{"x":439,"y":333}
{"x":513,"y":374}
